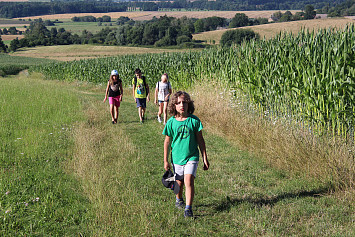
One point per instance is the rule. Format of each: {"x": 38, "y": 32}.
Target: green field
{"x": 78, "y": 27}
{"x": 38, "y": 196}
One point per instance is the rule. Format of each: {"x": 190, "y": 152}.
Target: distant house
{"x": 321, "y": 16}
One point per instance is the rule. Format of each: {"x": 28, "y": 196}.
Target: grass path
{"x": 118, "y": 171}
{"x": 239, "y": 196}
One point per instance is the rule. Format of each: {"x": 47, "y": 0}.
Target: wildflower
{"x": 7, "y": 211}
{"x": 7, "y": 193}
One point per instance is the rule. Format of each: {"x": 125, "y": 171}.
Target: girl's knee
{"x": 189, "y": 180}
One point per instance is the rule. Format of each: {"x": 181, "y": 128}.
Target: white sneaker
{"x": 159, "y": 119}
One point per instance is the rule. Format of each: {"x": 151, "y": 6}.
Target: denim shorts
{"x": 141, "y": 102}
{"x": 189, "y": 168}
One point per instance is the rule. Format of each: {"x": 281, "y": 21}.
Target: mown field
{"x": 77, "y": 52}
{"x": 148, "y": 15}
{"x": 271, "y": 30}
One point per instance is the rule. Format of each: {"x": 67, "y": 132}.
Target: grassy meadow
{"x": 78, "y": 27}
{"x": 66, "y": 170}
{"x": 38, "y": 196}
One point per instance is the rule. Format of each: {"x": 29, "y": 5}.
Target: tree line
{"x": 26, "y": 9}
{"x": 233, "y": 5}
{"x": 158, "y": 32}
{"x": 163, "y": 31}
{"x": 346, "y": 8}
{"x": 91, "y": 19}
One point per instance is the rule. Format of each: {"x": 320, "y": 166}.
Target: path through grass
{"x": 239, "y": 196}
{"x": 116, "y": 189}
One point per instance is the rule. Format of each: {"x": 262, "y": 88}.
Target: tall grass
{"x": 287, "y": 146}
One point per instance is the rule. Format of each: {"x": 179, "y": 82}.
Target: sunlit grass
{"x": 37, "y": 196}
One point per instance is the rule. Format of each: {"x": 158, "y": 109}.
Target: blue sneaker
{"x": 180, "y": 204}
{"x": 188, "y": 213}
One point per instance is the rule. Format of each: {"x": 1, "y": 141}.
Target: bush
{"x": 237, "y": 37}
{"x": 12, "y": 69}
{"x": 182, "y": 39}
{"x": 191, "y": 45}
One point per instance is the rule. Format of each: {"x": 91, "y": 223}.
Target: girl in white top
{"x": 162, "y": 94}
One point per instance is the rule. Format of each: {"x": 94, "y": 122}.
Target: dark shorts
{"x": 162, "y": 101}
{"x": 141, "y": 102}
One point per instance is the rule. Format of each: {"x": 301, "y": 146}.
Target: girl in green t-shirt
{"x": 183, "y": 133}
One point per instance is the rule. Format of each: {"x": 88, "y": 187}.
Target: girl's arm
{"x": 134, "y": 95}
{"x": 121, "y": 89}
{"x": 202, "y": 146}
{"x": 156, "y": 96}
{"x": 148, "y": 92}
{"x": 108, "y": 84}
{"x": 166, "y": 153}
{"x": 167, "y": 96}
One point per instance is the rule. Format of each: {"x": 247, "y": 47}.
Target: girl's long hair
{"x": 174, "y": 100}
{"x": 111, "y": 79}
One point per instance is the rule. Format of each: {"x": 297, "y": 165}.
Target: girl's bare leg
{"x": 189, "y": 180}
{"x": 140, "y": 113}
{"x": 160, "y": 109}
{"x": 165, "y": 111}
{"x": 181, "y": 184}
{"x": 116, "y": 113}
{"x": 112, "y": 112}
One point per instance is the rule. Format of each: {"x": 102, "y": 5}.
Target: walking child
{"x": 140, "y": 93}
{"x": 114, "y": 91}
{"x": 183, "y": 133}
{"x": 162, "y": 94}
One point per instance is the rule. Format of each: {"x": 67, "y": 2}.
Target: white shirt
{"x": 163, "y": 90}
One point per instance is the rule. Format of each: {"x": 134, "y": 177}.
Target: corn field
{"x": 310, "y": 76}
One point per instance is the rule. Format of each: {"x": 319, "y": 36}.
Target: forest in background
{"x": 25, "y": 9}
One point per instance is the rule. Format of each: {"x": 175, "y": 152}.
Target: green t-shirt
{"x": 140, "y": 92}
{"x": 184, "y": 146}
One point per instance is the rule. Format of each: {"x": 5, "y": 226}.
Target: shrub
{"x": 237, "y": 37}
{"x": 182, "y": 39}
